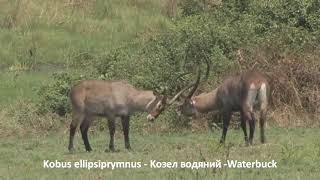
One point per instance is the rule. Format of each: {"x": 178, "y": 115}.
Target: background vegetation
{"x": 47, "y": 46}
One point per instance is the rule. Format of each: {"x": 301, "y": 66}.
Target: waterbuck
{"x": 110, "y": 99}
{"x": 244, "y": 93}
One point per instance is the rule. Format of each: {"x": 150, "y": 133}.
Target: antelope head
{"x": 156, "y": 107}
{"x": 187, "y": 108}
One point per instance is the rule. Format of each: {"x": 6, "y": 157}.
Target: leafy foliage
{"x": 55, "y": 97}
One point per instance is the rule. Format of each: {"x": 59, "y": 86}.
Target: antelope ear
{"x": 187, "y": 100}
{"x": 156, "y": 93}
{"x": 164, "y": 99}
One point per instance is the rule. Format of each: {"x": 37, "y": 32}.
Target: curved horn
{"x": 179, "y": 93}
{"x": 196, "y": 84}
{"x": 181, "y": 75}
{"x": 208, "y": 68}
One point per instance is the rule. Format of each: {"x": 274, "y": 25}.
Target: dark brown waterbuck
{"x": 110, "y": 99}
{"x": 244, "y": 93}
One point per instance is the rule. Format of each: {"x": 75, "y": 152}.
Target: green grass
{"x": 21, "y": 86}
{"x": 58, "y": 33}
{"x": 57, "y": 30}
{"x": 296, "y": 150}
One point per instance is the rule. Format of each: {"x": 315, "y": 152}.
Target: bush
{"x": 54, "y": 97}
{"x": 22, "y": 118}
{"x": 265, "y": 34}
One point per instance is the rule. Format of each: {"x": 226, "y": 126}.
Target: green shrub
{"x": 55, "y": 97}
{"x": 191, "y": 7}
{"x": 117, "y": 64}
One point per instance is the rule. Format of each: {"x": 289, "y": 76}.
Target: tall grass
{"x": 15, "y": 86}
{"x": 50, "y": 36}
{"x": 57, "y": 29}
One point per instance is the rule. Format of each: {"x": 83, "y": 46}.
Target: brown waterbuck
{"x": 110, "y": 99}
{"x": 244, "y": 93}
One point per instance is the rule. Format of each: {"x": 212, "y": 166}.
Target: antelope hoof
{"x": 247, "y": 143}
{"x": 129, "y": 148}
{"x": 250, "y": 143}
{"x": 221, "y": 141}
{"x": 89, "y": 150}
{"x": 71, "y": 150}
{"x": 112, "y": 150}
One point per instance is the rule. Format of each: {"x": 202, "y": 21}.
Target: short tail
{"x": 263, "y": 97}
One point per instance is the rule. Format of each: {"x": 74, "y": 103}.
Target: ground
{"x": 296, "y": 150}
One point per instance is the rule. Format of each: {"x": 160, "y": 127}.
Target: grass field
{"x": 59, "y": 32}
{"x": 21, "y": 86}
{"x": 296, "y": 150}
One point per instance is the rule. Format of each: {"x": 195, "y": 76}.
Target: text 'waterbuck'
{"x": 244, "y": 93}
{"x": 110, "y": 99}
